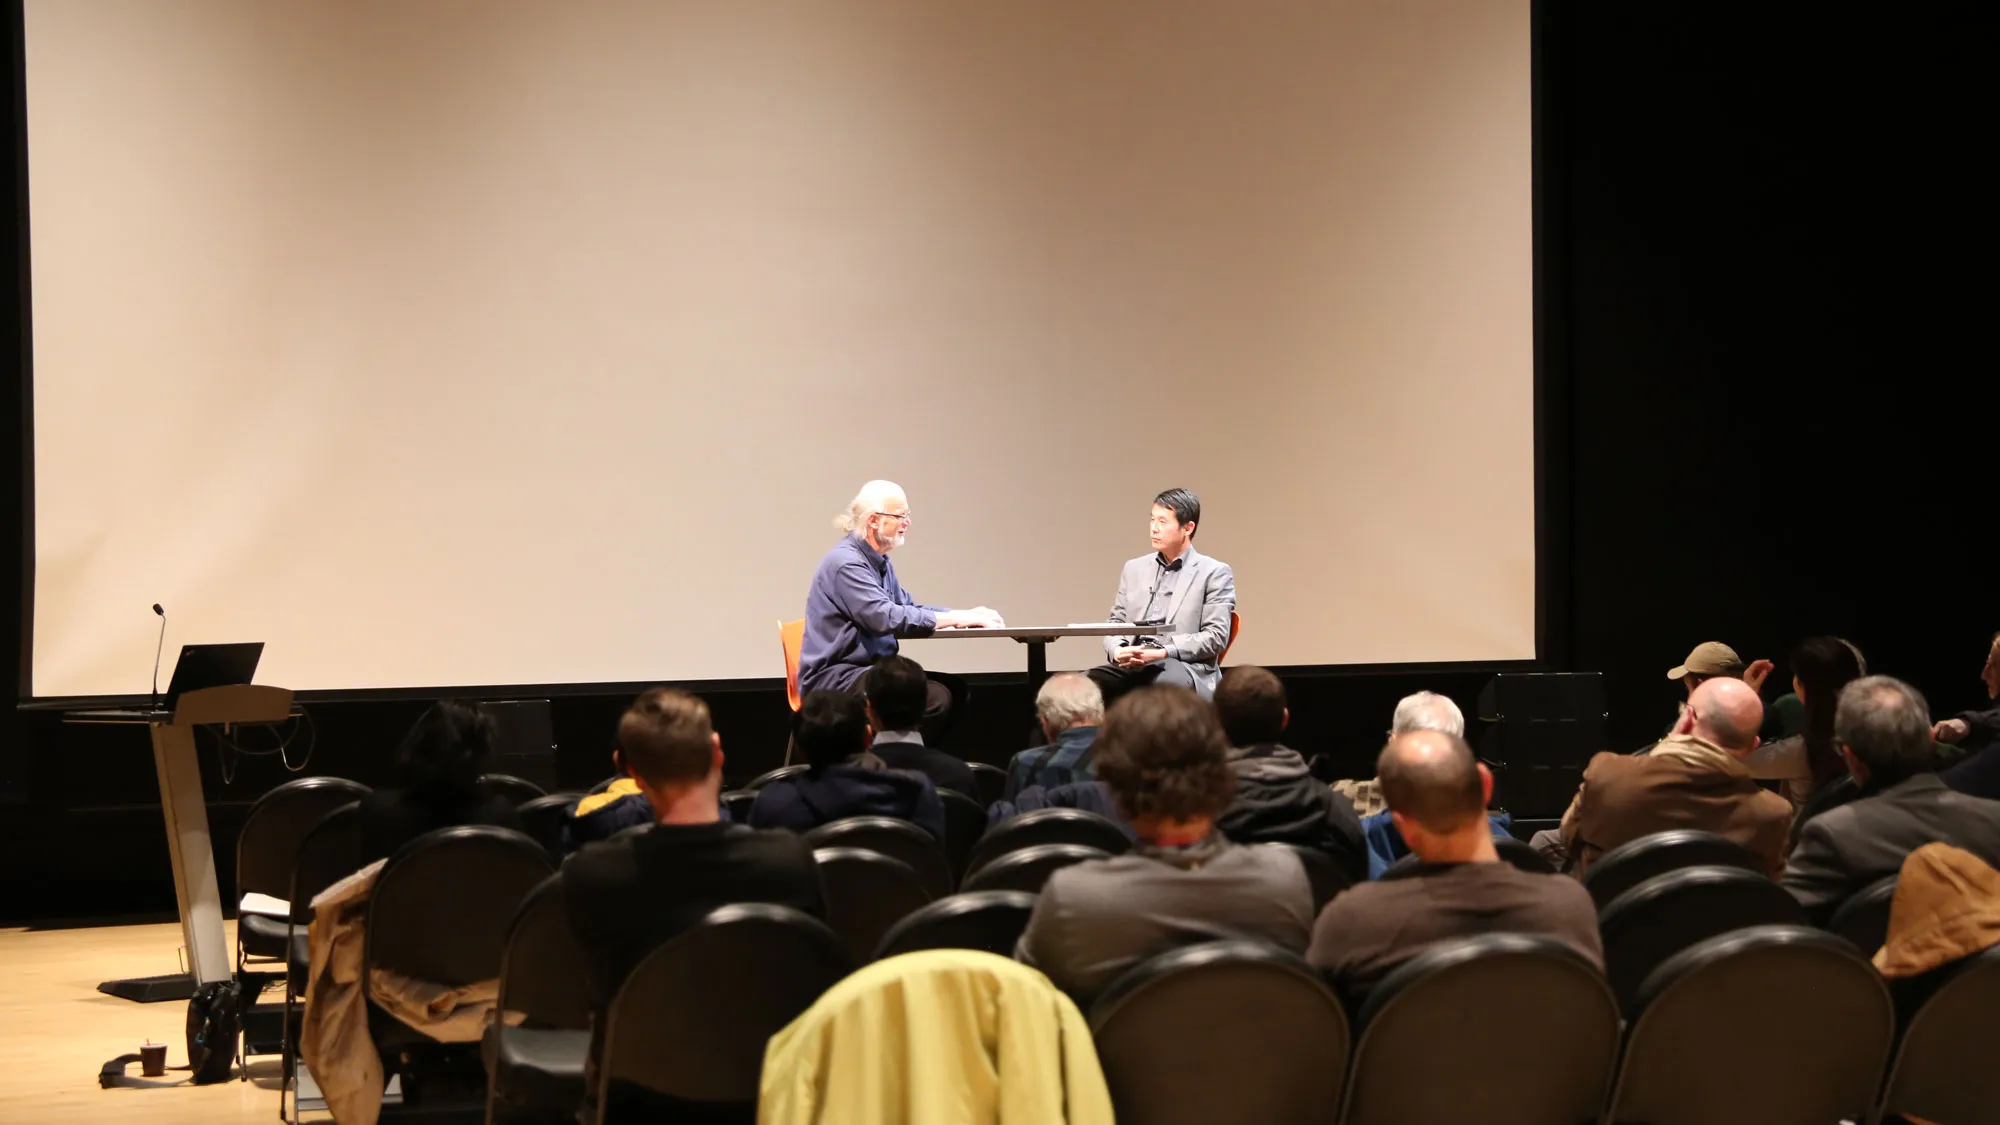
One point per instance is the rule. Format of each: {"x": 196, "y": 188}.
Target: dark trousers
{"x": 1115, "y": 680}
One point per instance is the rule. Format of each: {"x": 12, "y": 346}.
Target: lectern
{"x": 187, "y": 824}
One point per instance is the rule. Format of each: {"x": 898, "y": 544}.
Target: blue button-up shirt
{"x": 855, "y": 610}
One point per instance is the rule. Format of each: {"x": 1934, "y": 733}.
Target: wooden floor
{"x": 56, "y": 1031}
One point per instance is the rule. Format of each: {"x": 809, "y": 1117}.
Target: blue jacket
{"x": 855, "y": 610}
{"x": 805, "y": 802}
{"x": 1386, "y": 846}
{"x": 1091, "y": 796}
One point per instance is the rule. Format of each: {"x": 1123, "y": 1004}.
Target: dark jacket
{"x": 945, "y": 771}
{"x": 1090, "y": 796}
{"x": 390, "y": 818}
{"x": 1683, "y": 783}
{"x": 1978, "y": 774}
{"x": 1845, "y": 849}
{"x": 1066, "y": 760}
{"x": 1279, "y": 801}
{"x": 865, "y": 788}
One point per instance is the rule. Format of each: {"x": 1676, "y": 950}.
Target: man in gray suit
{"x": 1883, "y": 731}
{"x": 1180, "y": 589}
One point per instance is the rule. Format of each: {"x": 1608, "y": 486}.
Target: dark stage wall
{"x": 1761, "y": 415}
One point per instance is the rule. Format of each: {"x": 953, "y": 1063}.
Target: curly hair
{"x": 1162, "y": 753}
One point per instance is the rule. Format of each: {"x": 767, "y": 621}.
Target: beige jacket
{"x": 1947, "y": 907}
{"x": 334, "y": 1040}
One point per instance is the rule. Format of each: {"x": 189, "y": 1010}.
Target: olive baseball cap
{"x": 1709, "y": 658}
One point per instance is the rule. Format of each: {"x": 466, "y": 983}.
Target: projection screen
{"x": 490, "y": 342}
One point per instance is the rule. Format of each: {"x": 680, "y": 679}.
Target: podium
{"x": 188, "y": 842}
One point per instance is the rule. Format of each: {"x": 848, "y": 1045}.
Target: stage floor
{"x": 57, "y": 1030}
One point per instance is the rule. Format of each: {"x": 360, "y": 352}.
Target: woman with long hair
{"x": 1807, "y": 762}
{"x": 437, "y": 781}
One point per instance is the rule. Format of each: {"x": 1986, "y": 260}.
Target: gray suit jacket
{"x": 1843, "y": 850}
{"x": 1197, "y": 615}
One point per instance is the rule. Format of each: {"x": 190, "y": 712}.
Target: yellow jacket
{"x": 941, "y": 1037}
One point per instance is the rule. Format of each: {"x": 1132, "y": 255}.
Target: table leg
{"x": 1038, "y": 664}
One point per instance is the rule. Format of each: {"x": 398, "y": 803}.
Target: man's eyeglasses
{"x": 900, "y": 517}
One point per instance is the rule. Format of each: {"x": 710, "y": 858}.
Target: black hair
{"x": 831, "y": 727}
{"x": 1824, "y": 665}
{"x": 446, "y": 751}
{"x": 1251, "y": 703}
{"x": 1185, "y": 506}
{"x": 897, "y": 689}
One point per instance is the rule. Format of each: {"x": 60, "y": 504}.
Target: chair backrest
{"x": 1026, "y": 869}
{"x": 1864, "y": 918}
{"x": 1235, "y": 627}
{"x": 1271, "y": 1045}
{"x": 443, "y": 905}
{"x": 738, "y": 802}
{"x": 897, "y": 839}
{"x": 867, "y": 893}
{"x": 1322, "y": 872}
{"x": 692, "y": 1020}
{"x": 1432, "y": 1045}
{"x": 544, "y": 973}
{"x": 1511, "y": 851}
{"x": 1766, "y": 1024}
{"x": 268, "y": 846}
{"x": 1048, "y": 826}
{"x": 792, "y": 639}
{"x": 986, "y": 920}
{"x": 1660, "y": 917}
{"x": 992, "y": 782}
{"x": 517, "y": 790}
{"x": 543, "y": 819}
{"x": 1943, "y": 1070}
{"x": 964, "y": 824}
{"x": 779, "y": 774}
{"x": 1635, "y": 861}
{"x": 329, "y": 852}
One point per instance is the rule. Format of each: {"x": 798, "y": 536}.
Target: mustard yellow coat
{"x": 942, "y": 1037}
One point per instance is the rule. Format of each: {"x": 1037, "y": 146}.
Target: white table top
{"x": 1052, "y": 632}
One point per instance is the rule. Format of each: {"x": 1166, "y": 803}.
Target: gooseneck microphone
{"x": 158, "y": 647}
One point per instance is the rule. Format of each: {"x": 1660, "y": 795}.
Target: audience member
{"x": 1694, "y": 778}
{"x": 1090, "y": 796}
{"x": 1165, "y": 760}
{"x": 1806, "y": 762}
{"x": 1883, "y": 730}
{"x": 628, "y": 895}
{"x": 1278, "y": 801}
{"x": 437, "y": 782}
{"x": 1713, "y": 659}
{"x": 896, "y": 689}
{"x": 842, "y": 778}
{"x": 1437, "y": 793}
{"x": 1977, "y": 734}
{"x": 1421, "y": 711}
{"x": 1070, "y": 707}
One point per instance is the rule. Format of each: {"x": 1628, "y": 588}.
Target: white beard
{"x": 891, "y": 542}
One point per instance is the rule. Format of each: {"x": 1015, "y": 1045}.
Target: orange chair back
{"x": 792, "y": 636}
{"x": 1235, "y": 627}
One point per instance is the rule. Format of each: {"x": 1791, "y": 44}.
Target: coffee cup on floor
{"x": 153, "y": 1059}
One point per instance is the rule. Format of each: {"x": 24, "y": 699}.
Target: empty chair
{"x": 1271, "y": 1045}
{"x": 1511, "y": 851}
{"x": 737, "y": 802}
{"x": 992, "y": 781}
{"x": 518, "y": 790}
{"x": 267, "y": 849}
{"x": 1028, "y": 868}
{"x": 691, "y": 1022}
{"x": 964, "y": 824}
{"x": 898, "y": 839}
{"x": 1325, "y": 875}
{"x": 1668, "y": 913}
{"x": 1943, "y": 1069}
{"x": 991, "y": 921}
{"x": 1864, "y": 918}
{"x": 1427, "y": 1052}
{"x": 1766, "y": 1025}
{"x": 1635, "y": 861}
{"x": 1049, "y": 826}
{"x": 543, "y": 818}
{"x": 867, "y": 893}
{"x": 779, "y": 774}
{"x": 535, "y": 1070}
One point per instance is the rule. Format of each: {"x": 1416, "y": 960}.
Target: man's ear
{"x": 715, "y": 748}
{"x": 1486, "y": 784}
{"x": 1855, "y": 766}
{"x": 1285, "y": 719}
{"x": 618, "y": 765}
{"x": 1404, "y": 825}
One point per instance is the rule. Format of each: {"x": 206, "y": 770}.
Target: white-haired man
{"x": 1424, "y": 710}
{"x": 855, "y": 608}
{"x": 1070, "y": 708}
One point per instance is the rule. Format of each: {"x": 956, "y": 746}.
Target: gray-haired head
{"x": 1069, "y": 699}
{"x": 1427, "y": 710}
{"x": 867, "y": 502}
{"x": 1886, "y": 724}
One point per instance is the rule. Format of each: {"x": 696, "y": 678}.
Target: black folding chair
{"x": 1433, "y": 1046}
{"x": 1026, "y": 869}
{"x": 738, "y": 803}
{"x": 691, "y": 1021}
{"x": 1048, "y": 826}
{"x": 1668, "y": 913}
{"x": 1864, "y": 918}
{"x": 867, "y": 893}
{"x": 518, "y": 791}
{"x": 440, "y": 913}
{"x": 329, "y": 852}
{"x": 897, "y": 839}
{"x": 964, "y": 824}
{"x": 543, "y": 819}
{"x": 1322, "y": 872}
{"x": 779, "y": 774}
{"x": 992, "y": 782}
{"x": 988, "y": 920}
{"x": 535, "y": 1069}
{"x": 1760, "y": 1025}
{"x": 1272, "y": 1046}
{"x": 1635, "y": 861}
{"x": 1943, "y": 1070}
{"x": 1512, "y": 851}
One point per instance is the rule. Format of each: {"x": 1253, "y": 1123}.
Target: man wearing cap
{"x": 1713, "y": 658}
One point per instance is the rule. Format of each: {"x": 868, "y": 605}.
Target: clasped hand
{"x": 1137, "y": 656}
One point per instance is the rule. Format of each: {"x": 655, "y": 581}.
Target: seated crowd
{"x": 1220, "y": 812}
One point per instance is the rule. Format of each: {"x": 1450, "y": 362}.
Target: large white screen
{"x": 517, "y": 342}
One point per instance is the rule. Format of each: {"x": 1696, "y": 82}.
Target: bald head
{"x": 1432, "y": 778}
{"x": 1728, "y": 713}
